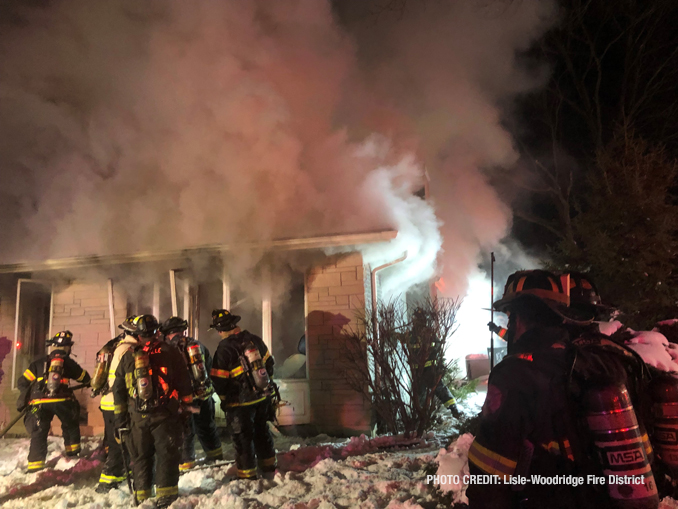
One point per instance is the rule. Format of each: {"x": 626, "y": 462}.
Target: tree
{"x": 627, "y": 236}
{"x": 614, "y": 70}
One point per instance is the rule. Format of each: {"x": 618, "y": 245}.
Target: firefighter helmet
{"x": 584, "y": 295}
{"x": 173, "y": 324}
{"x": 63, "y": 338}
{"x": 145, "y": 326}
{"x": 223, "y": 320}
{"x": 128, "y": 325}
{"x": 538, "y": 286}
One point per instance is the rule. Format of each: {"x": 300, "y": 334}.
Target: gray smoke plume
{"x": 128, "y": 126}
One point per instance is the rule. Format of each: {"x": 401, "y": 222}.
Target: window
{"x": 32, "y": 325}
{"x": 288, "y": 331}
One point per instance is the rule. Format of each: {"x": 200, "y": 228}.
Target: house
{"x": 90, "y": 296}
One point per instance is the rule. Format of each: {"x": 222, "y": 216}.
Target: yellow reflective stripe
{"x": 214, "y": 453}
{"x": 247, "y": 474}
{"x": 490, "y": 462}
{"x": 268, "y": 462}
{"x": 166, "y": 491}
{"x": 266, "y": 357}
{"x": 73, "y": 447}
{"x": 142, "y": 494}
{"x": 47, "y": 400}
{"x": 36, "y": 465}
{"x": 237, "y": 371}
{"x": 82, "y": 376}
{"x": 229, "y": 405}
{"x": 129, "y": 380}
{"x": 28, "y": 374}
{"x": 108, "y": 406}
{"x": 120, "y": 409}
{"x": 186, "y": 466}
{"x": 108, "y": 479}
{"x": 450, "y": 402}
{"x": 219, "y": 373}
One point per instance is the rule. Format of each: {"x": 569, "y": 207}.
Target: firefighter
{"x": 199, "y": 362}
{"x": 524, "y": 425}
{"x": 531, "y": 419}
{"x": 44, "y": 386}
{"x": 113, "y": 473}
{"x": 241, "y": 374}
{"x": 151, "y": 384}
{"x": 425, "y": 344}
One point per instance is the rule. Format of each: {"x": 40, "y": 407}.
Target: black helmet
{"x": 539, "y": 287}
{"x": 128, "y": 325}
{"x": 223, "y": 320}
{"x": 584, "y": 294}
{"x": 145, "y": 326}
{"x": 173, "y": 324}
{"x": 63, "y": 338}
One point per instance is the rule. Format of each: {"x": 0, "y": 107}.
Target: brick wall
{"x": 81, "y": 307}
{"x": 335, "y": 295}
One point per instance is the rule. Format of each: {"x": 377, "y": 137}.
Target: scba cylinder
{"x": 54, "y": 376}
{"x": 142, "y": 373}
{"x": 259, "y": 373}
{"x": 100, "y": 376}
{"x": 664, "y": 394}
{"x": 616, "y": 434}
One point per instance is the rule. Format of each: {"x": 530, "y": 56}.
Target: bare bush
{"x": 396, "y": 360}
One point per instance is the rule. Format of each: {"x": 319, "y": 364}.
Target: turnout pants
{"x": 114, "y": 468}
{"x": 155, "y": 439}
{"x": 38, "y": 421}
{"x": 441, "y": 392}
{"x": 251, "y": 438}
{"x": 205, "y": 428}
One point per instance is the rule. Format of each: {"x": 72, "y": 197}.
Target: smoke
{"x": 129, "y": 126}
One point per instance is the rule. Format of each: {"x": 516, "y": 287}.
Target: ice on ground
{"x": 655, "y": 350}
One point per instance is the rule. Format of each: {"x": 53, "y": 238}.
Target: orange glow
{"x": 440, "y": 285}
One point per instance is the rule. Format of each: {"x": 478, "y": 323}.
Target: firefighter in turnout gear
{"x": 199, "y": 362}
{"x": 151, "y": 384}
{"x": 44, "y": 386}
{"x": 531, "y": 421}
{"x": 113, "y": 473}
{"x": 424, "y": 340}
{"x": 241, "y": 374}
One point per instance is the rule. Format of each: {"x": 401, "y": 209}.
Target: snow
{"x": 609, "y": 328}
{"x": 655, "y": 350}
{"x": 316, "y": 473}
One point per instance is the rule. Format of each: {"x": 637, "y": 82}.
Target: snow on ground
{"x": 315, "y": 473}
{"x": 655, "y": 349}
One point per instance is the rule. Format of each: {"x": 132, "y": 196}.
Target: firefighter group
{"x": 156, "y": 386}
{"x": 566, "y": 402}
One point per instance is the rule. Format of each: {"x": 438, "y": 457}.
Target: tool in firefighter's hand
{"x": 121, "y": 435}
{"x": 26, "y": 408}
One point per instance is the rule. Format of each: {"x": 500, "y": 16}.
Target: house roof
{"x": 339, "y": 240}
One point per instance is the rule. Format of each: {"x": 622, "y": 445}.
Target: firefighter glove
{"x": 494, "y": 327}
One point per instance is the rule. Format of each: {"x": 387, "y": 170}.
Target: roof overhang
{"x": 328, "y": 241}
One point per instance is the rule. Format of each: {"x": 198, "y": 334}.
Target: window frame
{"x": 47, "y": 284}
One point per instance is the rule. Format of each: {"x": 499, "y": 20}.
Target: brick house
{"x": 91, "y": 296}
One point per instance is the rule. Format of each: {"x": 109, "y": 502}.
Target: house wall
{"x": 335, "y": 297}
{"x": 81, "y": 307}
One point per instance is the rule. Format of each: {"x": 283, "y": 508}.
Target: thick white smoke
{"x": 128, "y": 126}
